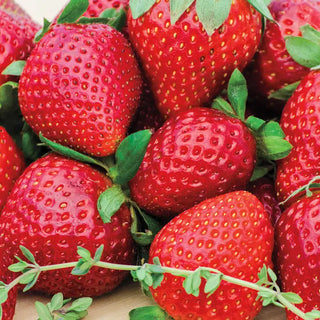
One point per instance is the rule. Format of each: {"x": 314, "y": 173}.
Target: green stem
{"x": 174, "y": 271}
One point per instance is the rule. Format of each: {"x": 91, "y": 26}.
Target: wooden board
{"x": 116, "y": 305}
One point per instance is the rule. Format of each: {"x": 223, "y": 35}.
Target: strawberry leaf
{"x": 238, "y": 93}
{"x": 73, "y": 11}
{"x": 109, "y": 202}
{"x": 262, "y": 7}
{"x": 140, "y": 7}
{"x": 310, "y": 33}
{"x": 285, "y": 92}
{"x": 177, "y": 8}
{"x": 117, "y": 18}
{"x": 147, "y": 313}
{"x": 129, "y": 156}
{"x": 220, "y": 104}
{"x": 213, "y": 13}
{"x": 15, "y": 68}
{"x": 303, "y": 51}
{"x": 39, "y": 35}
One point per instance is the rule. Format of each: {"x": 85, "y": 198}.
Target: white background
{"x": 38, "y": 9}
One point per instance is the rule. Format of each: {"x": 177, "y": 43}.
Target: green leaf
{"x": 276, "y": 148}
{"x": 213, "y": 283}
{"x": 3, "y": 295}
{"x": 43, "y": 311}
{"x": 141, "y": 273}
{"x": 272, "y": 275}
{"x": 74, "y": 315}
{"x": 263, "y": 275}
{"x": 310, "y": 33}
{"x": 31, "y": 283}
{"x": 73, "y": 11}
{"x": 285, "y": 92}
{"x": 83, "y": 267}
{"x": 68, "y": 152}
{"x": 98, "y": 253}
{"x": 314, "y": 314}
{"x": 260, "y": 171}
{"x": 26, "y": 278}
{"x": 303, "y": 51}
{"x": 271, "y": 129}
{"x": 81, "y": 304}
{"x": 140, "y": 7}
{"x": 220, "y": 104}
{"x": 213, "y": 13}
{"x": 129, "y": 156}
{"x": 117, "y": 18}
{"x": 262, "y": 7}
{"x": 238, "y": 93}
{"x": 177, "y": 8}
{"x": 109, "y": 202}
{"x": 18, "y": 267}
{"x": 27, "y": 253}
{"x": 15, "y": 68}
{"x": 254, "y": 123}
{"x": 148, "y": 313}
{"x": 292, "y": 297}
{"x": 46, "y": 26}
{"x": 192, "y": 283}
{"x": 56, "y": 302}
{"x": 84, "y": 253}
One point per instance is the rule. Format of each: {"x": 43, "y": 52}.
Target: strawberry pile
{"x": 175, "y": 141}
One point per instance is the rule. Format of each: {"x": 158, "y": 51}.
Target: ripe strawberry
{"x": 273, "y": 67}
{"x": 185, "y": 66}
{"x": 196, "y": 155}
{"x": 96, "y": 7}
{"x": 264, "y": 190}
{"x": 300, "y": 122}
{"x": 81, "y": 87}
{"x": 297, "y": 251}
{"x": 16, "y": 42}
{"x": 231, "y": 233}
{"x": 52, "y": 210}
{"x": 12, "y": 165}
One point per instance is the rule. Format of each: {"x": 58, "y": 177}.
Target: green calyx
{"x": 121, "y": 168}
{"x": 211, "y": 13}
{"x": 270, "y": 138}
{"x": 73, "y": 13}
{"x": 305, "y": 50}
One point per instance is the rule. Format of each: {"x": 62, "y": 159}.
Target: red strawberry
{"x": 16, "y": 41}
{"x": 185, "y": 66}
{"x": 300, "y": 122}
{"x": 51, "y": 211}
{"x": 298, "y": 252}
{"x": 81, "y": 87}
{"x": 264, "y": 190}
{"x": 96, "y": 7}
{"x": 8, "y": 307}
{"x": 231, "y": 233}
{"x": 273, "y": 67}
{"x": 12, "y": 165}
{"x": 196, "y": 155}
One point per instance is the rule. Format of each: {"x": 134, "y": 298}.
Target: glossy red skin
{"x": 12, "y": 164}
{"x": 16, "y": 40}
{"x": 298, "y": 253}
{"x": 264, "y": 190}
{"x": 96, "y": 7}
{"x": 51, "y": 211}
{"x": 186, "y": 67}
{"x": 300, "y": 122}
{"x": 273, "y": 66}
{"x": 196, "y": 155}
{"x": 8, "y": 307}
{"x": 231, "y": 233}
{"x": 81, "y": 87}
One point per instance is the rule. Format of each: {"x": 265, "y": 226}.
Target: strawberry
{"x": 300, "y": 122}
{"x": 185, "y": 65}
{"x": 273, "y": 67}
{"x": 17, "y": 33}
{"x": 201, "y": 153}
{"x": 8, "y": 307}
{"x": 231, "y": 233}
{"x": 89, "y": 89}
{"x": 52, "y": 210}
{"x": 12, "y": 165}
{"x": 264, "y": 190}
{"x": 96, "y": 7}
{"x": 298, "y": 254}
